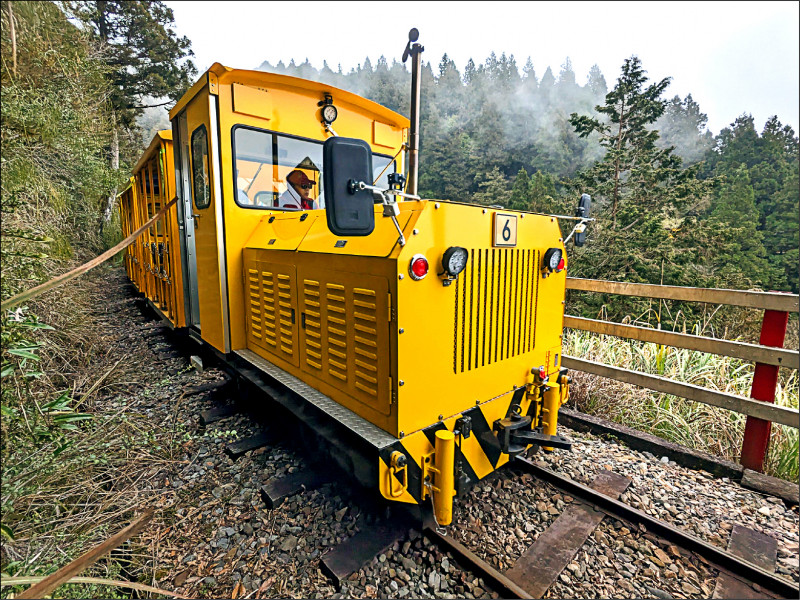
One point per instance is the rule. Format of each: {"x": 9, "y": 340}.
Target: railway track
{"x": 744, "y": 571}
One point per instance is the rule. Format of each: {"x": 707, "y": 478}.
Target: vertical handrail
{"x": 765, "y": 383}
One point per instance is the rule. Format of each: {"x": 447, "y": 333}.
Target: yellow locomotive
{"x": 421, "y": 339}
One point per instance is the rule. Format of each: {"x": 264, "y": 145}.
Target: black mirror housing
{"x": 584, "y": 208}
{"x": 349, "y": 211}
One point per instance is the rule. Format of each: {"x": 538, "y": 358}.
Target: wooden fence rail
{"x": 749, "y": 352}
{"x": 740, "y": 404}
{"x": 763, "y": 300}
{"x": 768, "y": 355}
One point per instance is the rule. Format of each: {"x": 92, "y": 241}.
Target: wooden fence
{"x": 769, "y": 355}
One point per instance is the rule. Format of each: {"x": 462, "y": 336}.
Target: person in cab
{"x": 298, "y": 192}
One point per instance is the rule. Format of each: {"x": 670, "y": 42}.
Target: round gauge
{"x": 552, "y": 258}
{"x": 329, "y": 113}
{"x": 454, "y": 260}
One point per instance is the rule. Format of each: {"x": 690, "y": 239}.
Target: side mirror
{"x": 584, "y": 207}
{"x": 349, "y": 210}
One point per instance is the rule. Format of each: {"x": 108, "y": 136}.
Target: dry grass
{"x": 65, "y": 494}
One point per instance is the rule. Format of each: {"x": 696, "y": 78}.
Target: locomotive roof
{"x": 221, "y": 74}
{"x": 155, "y": 144}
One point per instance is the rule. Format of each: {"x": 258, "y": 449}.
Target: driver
{"x": 298, "y": 192}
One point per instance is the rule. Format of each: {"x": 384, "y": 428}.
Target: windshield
{"x": 265, "y": 162}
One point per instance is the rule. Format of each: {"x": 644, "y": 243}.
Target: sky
{"x": 733, "y": 57}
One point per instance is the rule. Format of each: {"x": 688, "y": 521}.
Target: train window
{"x": 379, "y": 163}
{"x": 201, "y": 186}
{"x": 264, "y": 159}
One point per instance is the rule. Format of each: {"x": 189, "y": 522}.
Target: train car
{"x": 153, "y": 261}
{"x": 419, "y": 339}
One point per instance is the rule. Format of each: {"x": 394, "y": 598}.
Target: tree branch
{"x": 153, "y": 105}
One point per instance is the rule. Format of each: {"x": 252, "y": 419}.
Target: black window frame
{"x": 196, "y": 131}
{"x": 281, "y": 134}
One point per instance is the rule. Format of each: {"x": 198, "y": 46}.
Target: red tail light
{"x": 419, "y": 267}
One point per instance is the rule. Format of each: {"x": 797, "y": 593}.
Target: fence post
{"x": 765, "y": 382}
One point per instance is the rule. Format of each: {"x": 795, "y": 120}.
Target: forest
{"x": 85, "y": 84}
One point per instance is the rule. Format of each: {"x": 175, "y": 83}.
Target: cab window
{"x": 264, "y": 159}
{"x": 201, "y": 187}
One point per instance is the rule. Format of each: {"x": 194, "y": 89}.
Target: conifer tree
{"x": 782, "y": 235}
{"x": 146, "y": 59}
{"x": 736, "y": 254}
{"x": 596, "y": 83}
{"x": 543, "y": 193}
{"x": 520, "y": 192}
{"x": 493, "y": 188}
{"x": 683, "y": 126}
{"x": 469, "y": 72}
{"x": 641, "y": 191}
{"x": 529, "y": 80}
{"x": 629, "y": 108}
{"x": 566, "y": 77}
{"x": 771, "y": 160}
{"x": 546, "y": 85}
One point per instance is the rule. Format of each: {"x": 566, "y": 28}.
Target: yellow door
{"x": 207, "y": 213}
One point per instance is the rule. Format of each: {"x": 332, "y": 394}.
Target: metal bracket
{"x": 429, "y": 472}
{"x": 399, "y": 464}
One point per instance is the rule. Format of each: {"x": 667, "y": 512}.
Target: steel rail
{"x": 721, "y": 559}
{"x": 494, "y": 578}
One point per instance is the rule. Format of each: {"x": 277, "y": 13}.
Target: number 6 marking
{"x": 504, "y": 233}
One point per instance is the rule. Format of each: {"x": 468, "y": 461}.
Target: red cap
{"x": 299, "y": 178}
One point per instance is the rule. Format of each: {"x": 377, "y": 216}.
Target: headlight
{"x": 553, "y": 260}
{"x": 454, "y": 260}
{"x": 329, "y": 114}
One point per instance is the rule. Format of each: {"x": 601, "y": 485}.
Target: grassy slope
{"x": 692, "y": 424}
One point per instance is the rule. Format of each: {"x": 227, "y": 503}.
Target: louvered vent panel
{"x": 366, "y": 341}
{"x": 495, "y": 307}
{"x": 336, "y": 309}
{"x": 285, "y": 314}
{"x": 254, "y": 306}
{"x": 268, "y": 303}
{"x": 313, "y": 329}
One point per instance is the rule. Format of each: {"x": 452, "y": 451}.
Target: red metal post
{"x": 765, "y": 381}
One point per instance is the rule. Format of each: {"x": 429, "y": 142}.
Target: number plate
{"x": 505, "y": 230}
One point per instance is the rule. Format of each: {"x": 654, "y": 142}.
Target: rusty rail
{"x": 56, "y": 281}
{"x": 65, "y": 573}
